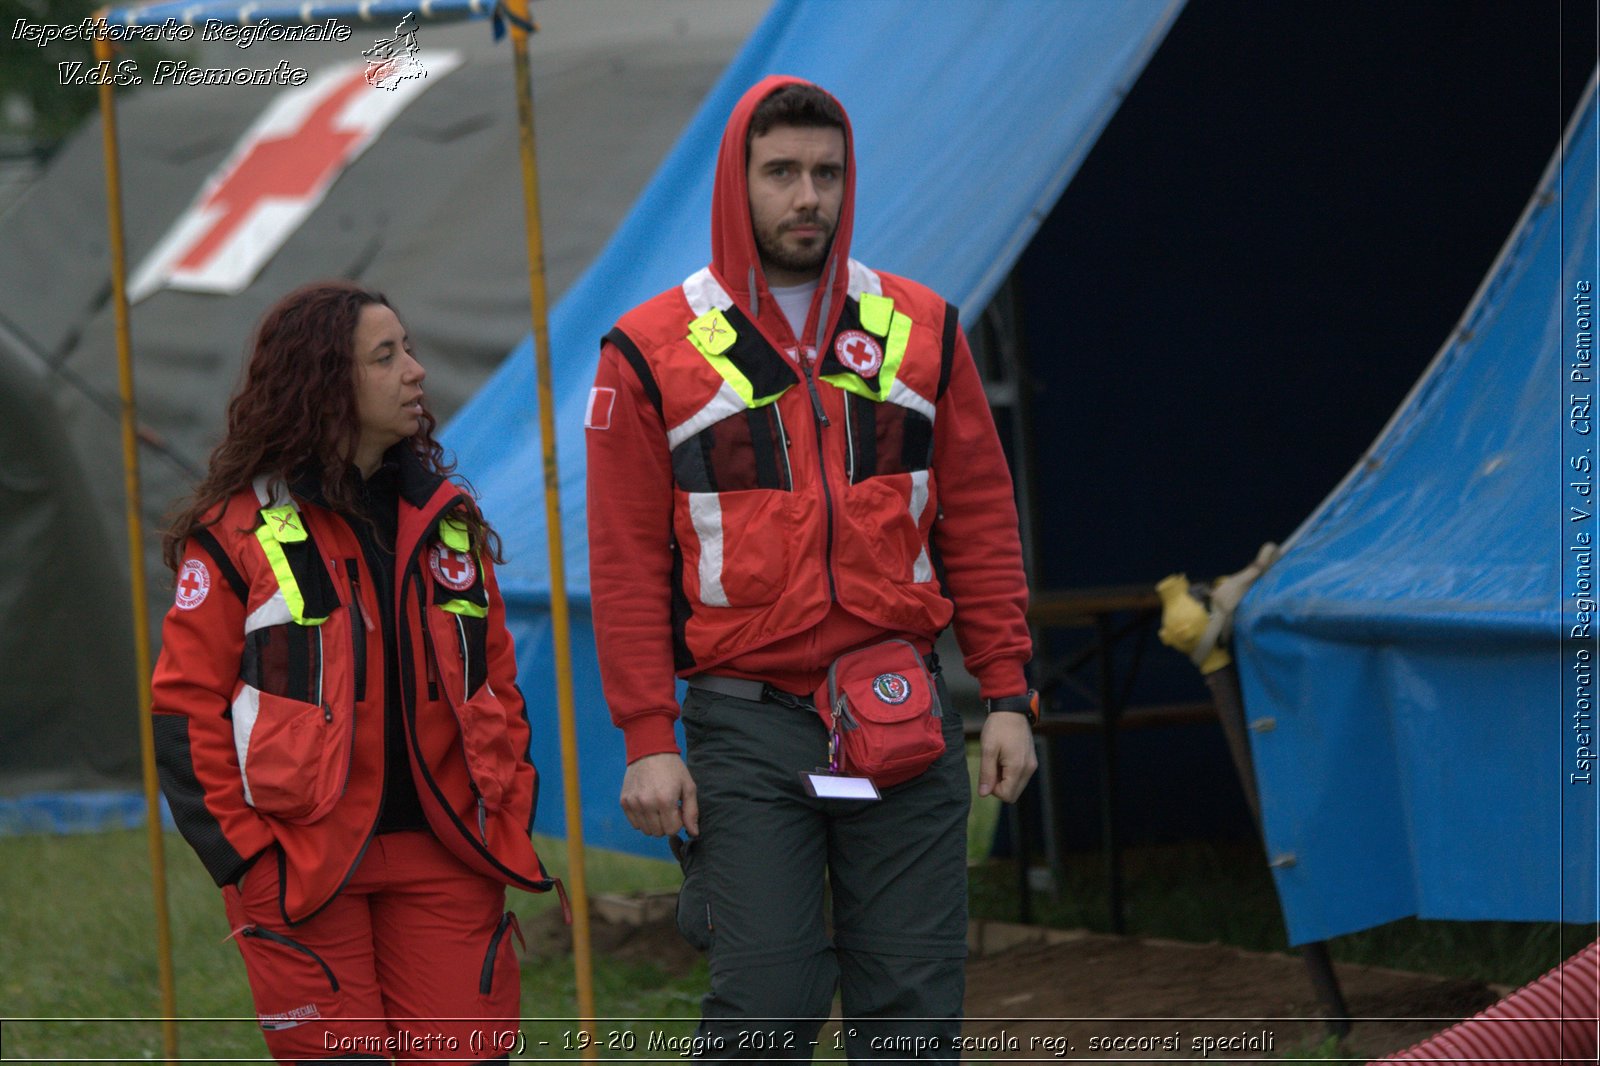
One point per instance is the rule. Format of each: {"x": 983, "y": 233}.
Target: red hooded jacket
{"x": 753, "y": 515}
{"x": 269, "y": 693}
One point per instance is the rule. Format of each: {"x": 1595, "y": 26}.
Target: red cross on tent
{"x": 275, "y": 177}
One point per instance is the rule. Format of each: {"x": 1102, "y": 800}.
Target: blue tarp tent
{"x": 970, "y": 120}
{"x": 1418, "y": 668}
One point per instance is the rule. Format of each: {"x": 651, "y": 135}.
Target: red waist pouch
{"x": 882, "y": 712}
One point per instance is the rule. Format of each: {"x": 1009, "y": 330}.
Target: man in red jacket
{"x": 791, "y": 460}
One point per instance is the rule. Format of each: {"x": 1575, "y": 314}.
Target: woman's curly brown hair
{"x": 296, "y": 413}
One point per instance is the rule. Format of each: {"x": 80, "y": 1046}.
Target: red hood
{"x": 734, "y": 259}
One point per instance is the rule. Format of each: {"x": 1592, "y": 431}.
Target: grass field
{"x": 77, "y": 941}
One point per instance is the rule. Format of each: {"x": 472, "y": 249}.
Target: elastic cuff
{"x": 1002, "y": 679}
{"x": 649, "y": 734}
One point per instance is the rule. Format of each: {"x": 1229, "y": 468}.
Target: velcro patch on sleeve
{"x": 598, "y": 415}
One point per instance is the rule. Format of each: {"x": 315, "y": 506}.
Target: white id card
{"x": 831, "y": 786}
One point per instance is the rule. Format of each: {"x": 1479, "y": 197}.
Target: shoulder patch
{"x": 193, "y": 585}
{"x": 598, "y": 415}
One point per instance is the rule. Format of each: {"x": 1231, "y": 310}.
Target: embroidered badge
{"x": 859, "y": 351}
{"x": 598, "y": 414}
{"x": 891, "y": 688}
{"x": 452, "y": 569}
{"x": 194, "y": 582}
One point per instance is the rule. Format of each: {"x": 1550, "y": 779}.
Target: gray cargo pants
{"x": 753, "y": 892}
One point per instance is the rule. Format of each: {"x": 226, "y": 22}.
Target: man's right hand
{"x": 658, "y": 796}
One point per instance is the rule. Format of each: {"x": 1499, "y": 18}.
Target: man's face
{"x": 796, "y": 177}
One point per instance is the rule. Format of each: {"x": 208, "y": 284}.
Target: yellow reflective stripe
{"x": 894, "y": 353}
{"x": 284, "y": 524}
{"x": 466, "y": 607}
{"x": 739, "y": 383}
{"x": 453, "y": 531}
{"x": 712, "y": 333}
{"x": 285, "y": 575}
{"x": 875, "y": 313}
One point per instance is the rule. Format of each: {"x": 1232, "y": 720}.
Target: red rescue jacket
{"x": 759, "y": 514}
{"x": 269, "y": 693}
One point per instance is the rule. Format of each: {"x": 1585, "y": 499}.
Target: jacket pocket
{"x": 739, "y": 547}
{"x": 491, "y": 762}
{"x": 499, "y": 946}
{"x": 886, "y": 524}
{"x": 294, "y": 756}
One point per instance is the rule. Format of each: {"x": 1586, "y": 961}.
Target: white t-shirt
{"x": 795, "y": 302}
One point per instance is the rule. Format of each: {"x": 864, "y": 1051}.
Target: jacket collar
{"x": 418, "y": 484}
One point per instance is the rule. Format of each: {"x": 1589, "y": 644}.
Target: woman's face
{"x": 388, "y": 385}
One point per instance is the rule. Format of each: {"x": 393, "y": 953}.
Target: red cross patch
{"x": 452, "y": 569}
{"x": 194, "y": 582}
{"x": 859, "y": 351}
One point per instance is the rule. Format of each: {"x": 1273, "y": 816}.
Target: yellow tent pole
{"x": 560, "y": 630}
{"x": 141, "y": 624}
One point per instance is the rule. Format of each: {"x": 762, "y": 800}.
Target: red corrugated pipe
{"x": 1551, "y": 1020}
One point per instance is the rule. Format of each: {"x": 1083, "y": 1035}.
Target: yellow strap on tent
{"x": 283, "y": 572}
{"x": 465, "y": 607}
{"x": 894, "y": 353}
{"x": 875, "y": 312}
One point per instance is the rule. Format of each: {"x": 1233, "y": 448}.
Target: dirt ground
{"x": 1061, "y": 995}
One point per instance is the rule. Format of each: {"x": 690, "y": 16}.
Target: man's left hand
{"x": 1008, "y": 758}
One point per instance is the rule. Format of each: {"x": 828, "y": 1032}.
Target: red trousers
{"x": 413, "y": 960}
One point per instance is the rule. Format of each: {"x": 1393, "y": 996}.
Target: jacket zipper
{"x": 358, "y": 611}
{"x": 822, "y": 464}
{"x": 407, "y": 699}
{"x": 783, "y": 432}
{"x": 432, "y": 660}
{"x": 849, "y": 445}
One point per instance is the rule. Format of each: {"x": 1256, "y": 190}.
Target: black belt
{"x": 761, "y": 692}
{"x": 745, "y": 689}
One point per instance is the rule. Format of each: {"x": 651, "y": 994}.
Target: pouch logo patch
{"x": 891, "y": 688}
{"x": 859, "y": 351}
{"x": 452, "y": 569}
{"x": 194, "y": 583}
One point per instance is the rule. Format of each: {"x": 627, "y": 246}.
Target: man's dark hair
{"x": 795, "y": 105}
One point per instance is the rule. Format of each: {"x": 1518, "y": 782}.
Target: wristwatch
{"x": 1027, "y": 704}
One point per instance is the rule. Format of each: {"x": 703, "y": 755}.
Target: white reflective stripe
{"x": 726, "y": 402}
{"x": 246, "y": 705}
{"x": 922, "y": 569}
{"x": 705, "y": 511}
{"x": 275, "y": 612}
{"x": 906, "y": 396}
{"x": 703, "y": 292}
{"x": 863, "y": 279}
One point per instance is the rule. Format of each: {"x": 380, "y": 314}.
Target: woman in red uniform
{"x": 337, "y": 721}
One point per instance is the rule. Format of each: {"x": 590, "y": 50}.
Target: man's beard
{"x": 802, "y": 260}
